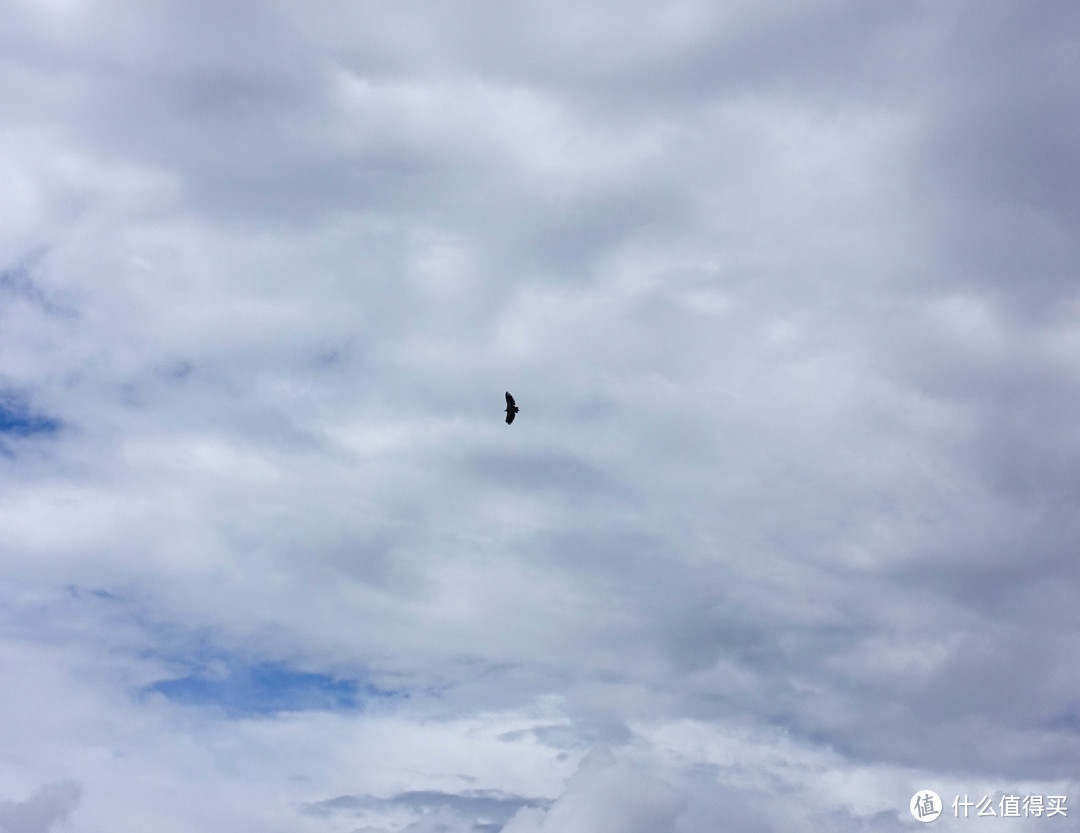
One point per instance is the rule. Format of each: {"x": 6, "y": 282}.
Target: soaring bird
{"x": 511, "y": 408}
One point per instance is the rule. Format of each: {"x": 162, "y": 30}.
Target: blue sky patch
{"x": 266, "y": 688}
{"x": 18, "y": 420}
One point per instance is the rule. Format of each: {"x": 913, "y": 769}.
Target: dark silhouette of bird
{"x": 511, "y": 408}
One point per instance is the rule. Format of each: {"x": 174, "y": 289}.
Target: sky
{"x": 783, "y": 535}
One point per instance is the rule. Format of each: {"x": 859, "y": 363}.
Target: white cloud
{"x": 607, "y": 797}
{"x": 784, "y": 297}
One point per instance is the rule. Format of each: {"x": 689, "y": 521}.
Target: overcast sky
{"x": 784, "y": 532}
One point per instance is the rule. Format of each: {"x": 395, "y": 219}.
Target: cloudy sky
{"x": 785, "y": 530}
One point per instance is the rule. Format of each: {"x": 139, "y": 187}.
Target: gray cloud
{"x": 786, "y": 299}
{"x": 47, "y": 807}
{"x": 474, "y": 810}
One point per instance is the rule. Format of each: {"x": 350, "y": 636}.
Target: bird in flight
{"x": 511, "y": 408}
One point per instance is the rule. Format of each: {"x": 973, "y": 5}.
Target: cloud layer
{"x": 783, "y": 532}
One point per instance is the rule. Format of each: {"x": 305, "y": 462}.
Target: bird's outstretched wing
{"x": 511, "y": 408}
